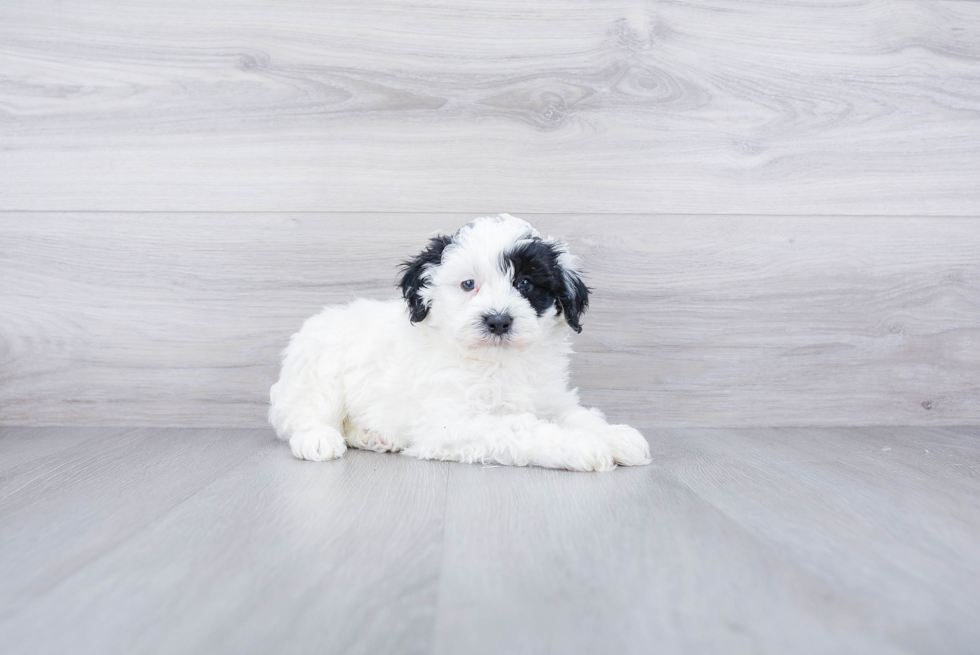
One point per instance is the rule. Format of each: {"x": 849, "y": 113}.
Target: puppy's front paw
{"x": 591, "y": 455}
{"x": 318, "y": 444}
{"x": 581, "y": 451}
{"x": 628, "y": 446}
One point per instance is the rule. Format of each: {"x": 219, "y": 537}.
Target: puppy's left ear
{"x": 574, "y": 295}
{"x": 414, "y": 276}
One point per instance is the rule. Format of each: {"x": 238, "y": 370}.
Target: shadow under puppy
{"x": 474, "y": 369}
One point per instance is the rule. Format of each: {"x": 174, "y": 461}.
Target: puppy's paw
{"x": 587, "y": 452}
{"x": 595, "y": 457}
{"x": 628, "y": 446}
{"x": 318, "y": 444}
{"x": 558, "y": 447}
{"x": 358, "y": 437}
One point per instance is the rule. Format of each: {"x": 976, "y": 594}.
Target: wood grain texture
{"x": 276, "y": 555}
{"x": 178, "y": 319}
{"x": 65, "y": 509}
{"x": 776, "y": 107}
{"x": 787, "y": 540}
{"x": 23, "y": 445}
{"x": 734, "y": 541}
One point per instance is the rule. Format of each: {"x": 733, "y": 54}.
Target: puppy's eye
{"x": 468, "y": 285}
{"x": 524, "y": 284}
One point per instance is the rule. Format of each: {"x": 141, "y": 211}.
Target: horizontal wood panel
{"x": 178, "y": 319}
{"x": 769, "y": 107}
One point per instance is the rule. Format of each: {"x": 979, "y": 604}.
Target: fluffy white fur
{"x": 362, "y": 375}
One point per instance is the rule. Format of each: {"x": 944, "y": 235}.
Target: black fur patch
{"x": 412, "y": 281}
{"x": 551, "y": 286}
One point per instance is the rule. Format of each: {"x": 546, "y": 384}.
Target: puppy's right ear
{"x": 415, "y": 276}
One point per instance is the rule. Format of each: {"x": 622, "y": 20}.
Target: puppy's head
{"x": 495, "y": 282}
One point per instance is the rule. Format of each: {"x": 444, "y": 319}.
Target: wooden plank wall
{"x": 777, "y": 202}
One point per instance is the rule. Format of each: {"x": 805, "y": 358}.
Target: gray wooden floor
{"x": 802, "y": 540}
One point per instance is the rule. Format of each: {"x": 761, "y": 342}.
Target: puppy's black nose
{"x": 498, "y": 323}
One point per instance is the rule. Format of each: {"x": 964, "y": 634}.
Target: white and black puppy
{"x": 474, "y": 369}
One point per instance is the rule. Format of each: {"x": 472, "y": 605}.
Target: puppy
{"x": 471, "y": 367}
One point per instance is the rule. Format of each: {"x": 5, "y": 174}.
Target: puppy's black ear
{"x": 413, "y": 271}
{"x": 574, "y": 297}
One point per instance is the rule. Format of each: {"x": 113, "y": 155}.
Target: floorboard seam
{"x": 442, "y": 564}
